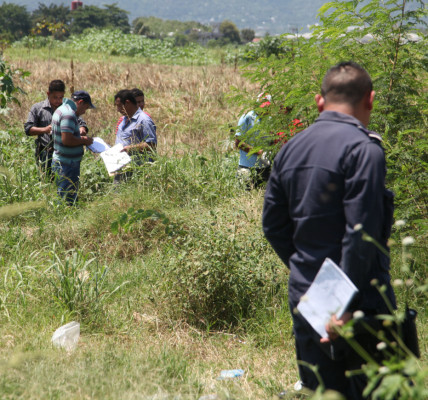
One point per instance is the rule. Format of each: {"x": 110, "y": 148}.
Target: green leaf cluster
{"x": 131, "y": 217}
{"x": 8, "y": 88}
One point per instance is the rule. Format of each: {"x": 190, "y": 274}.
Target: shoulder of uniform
{"x": 375, "y": 136}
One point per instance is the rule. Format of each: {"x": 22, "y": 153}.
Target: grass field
{"x": 150, "y": 327}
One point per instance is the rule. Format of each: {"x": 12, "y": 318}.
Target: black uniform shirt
{"x": 326, "y": 180}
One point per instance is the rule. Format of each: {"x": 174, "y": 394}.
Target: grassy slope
{"x": 134, "y": 345}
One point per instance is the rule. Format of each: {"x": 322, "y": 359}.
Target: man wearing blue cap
{"x": 68, "y": 144}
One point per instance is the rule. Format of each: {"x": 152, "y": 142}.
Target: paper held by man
{"x": 330, "y": 293}
{"x": 114, "y": 158}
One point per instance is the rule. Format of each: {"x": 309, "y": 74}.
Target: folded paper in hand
{"x": 114, "y": 158}
{"x": 330, "y": 293}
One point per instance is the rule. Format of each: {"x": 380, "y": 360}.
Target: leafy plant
{"x": 8, "y": 88}
{"x": 129, "y": 218}
{"x": 79, "y": 284}
{"x": 215, "y": 277}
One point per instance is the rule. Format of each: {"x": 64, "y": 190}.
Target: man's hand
{"x": 87, "y": 140}
{"x": 48, "y": 129}
{"x": 83, "y": 131}
{"x": 333, "y": 326}
{"x": 139, "y": 147}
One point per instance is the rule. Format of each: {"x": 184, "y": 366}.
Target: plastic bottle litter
{"x": 231, "y": 373}
{"x": 283, "y": 394}
{"x": 66, "y": 336}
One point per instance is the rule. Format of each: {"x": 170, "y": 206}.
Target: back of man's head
{"x": 346, "y": 82}
{"x": 56, "y": 86}
{"x": 137, "y": 92}
{"x": 125, "y": 94}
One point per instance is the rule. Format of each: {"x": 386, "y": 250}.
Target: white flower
{"x": 383, "y": 370}
{"x": 407, "y": 241}
{"x": 358, "y": 314}
{"x": 381, "y": 346}
{"x": 400, "y": 222}
{"x": 398, "y": 282}
{"x": 358, "y": 227}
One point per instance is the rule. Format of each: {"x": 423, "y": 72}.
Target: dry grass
{"x": 186, "y": 103}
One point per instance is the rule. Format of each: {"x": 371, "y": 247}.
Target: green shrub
{"x": 215, "y": 277}
{"x": 8, "y": 88}
{"x": 78, "y": 284}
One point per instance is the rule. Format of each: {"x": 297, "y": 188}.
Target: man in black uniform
{"x": 39, "y": 124}
{"x": 325, "y": 181}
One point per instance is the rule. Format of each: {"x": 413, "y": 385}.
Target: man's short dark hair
{"x": 56, "y": 86}
{"x": 137, "y": 92}
{"x": 346, "y": 82}
{"x": 125, "y": 94}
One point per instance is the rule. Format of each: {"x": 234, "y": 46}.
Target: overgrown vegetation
{"x": 399, "y": 68}
{"x": 169, "y": 274}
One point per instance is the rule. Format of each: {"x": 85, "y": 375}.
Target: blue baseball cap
{"x": 82, "y": 95}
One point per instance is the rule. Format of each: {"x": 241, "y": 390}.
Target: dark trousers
{"x": 332, "y": 360}
{"x": 44, "y": 161}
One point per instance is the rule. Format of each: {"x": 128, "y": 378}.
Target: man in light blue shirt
{"x": 252, "y": 168}
{"x": 137, "y": 131}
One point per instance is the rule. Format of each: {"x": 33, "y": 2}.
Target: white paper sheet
{"x": 114, "y": 159}
{"x": 330, "y": 293}
{"x": 98, "y": 146}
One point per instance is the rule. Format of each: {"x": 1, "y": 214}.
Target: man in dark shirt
{"x": 327, "y": 180}
{"x": 39, "y": 124}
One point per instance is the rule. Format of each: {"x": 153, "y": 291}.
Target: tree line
{"x": 60, "y": 22}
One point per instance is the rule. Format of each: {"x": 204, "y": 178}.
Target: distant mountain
{"x": 272, "y": 16}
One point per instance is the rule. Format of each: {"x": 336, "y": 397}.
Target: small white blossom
{"x": 381, "y": 346}
{"x": 358, "y": 314}
{"x": 408, "y": 240}
{"x": 383, "y": 370}
{"x": 398, "y": 282}
{"x": 400, "y": 222}
{"x": 358, "y": 227}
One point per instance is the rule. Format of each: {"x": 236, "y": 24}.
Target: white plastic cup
{"x": 66, "y": 336}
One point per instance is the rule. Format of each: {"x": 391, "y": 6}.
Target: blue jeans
{"x": 67, "y": 179}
